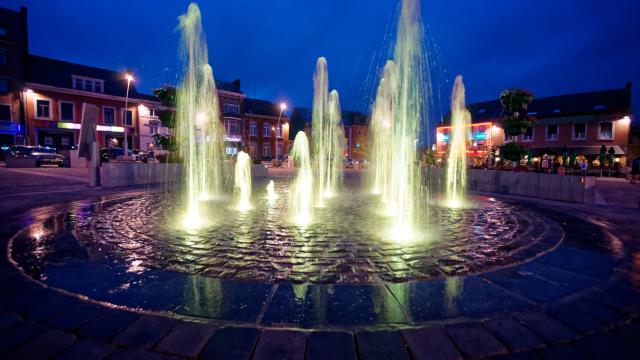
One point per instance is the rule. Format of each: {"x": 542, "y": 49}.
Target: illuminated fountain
{"x": 198, "y": 128}
{"x": 456, "y": 176}
{"x": 402, "y": 95}
{"x": 301, "y": 192}
{"x": 271, "y": 192}
{"x": 381, "y": 142}
{"x": 327, "y": 134}
{"x": 242, "y": 181}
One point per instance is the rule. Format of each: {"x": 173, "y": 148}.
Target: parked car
{"x": 42, "y": 154}
{"x": 107, "y": 154}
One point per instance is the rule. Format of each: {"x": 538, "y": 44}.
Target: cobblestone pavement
{"x": 580, "y": 301}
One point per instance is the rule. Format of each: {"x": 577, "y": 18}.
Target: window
{"x": 253, "y": 149}
{"x": 231, "y": 126}
{"x": 97, "y": 86}
{"x": 42, "y": 109}
{"x": 77, "y": 83}
{"x": 606, "y": 131}
{"x": 3, "y": 56}
{"x": 153, "y": 127}
{"x": 87, "y": 84}
{"x": 3, "y": 31}
{"x": 552, "y": 132}
{"x": 231, "y": 108}
{"x": 4, "y": 85}
{"x": 266, "y": 130}
{"x": 279, "y": 131}
{"x": 109, "y": 115}
{"x": 253, "y": 128}
{"x": 66, "y": 111}
{"x": 266, "y": 149}
{"x": 509, "y": 138}
{"x": 528, "y": 134}
{"x": 5, "y": 112}
{"x": 579, "y": 131}
{"x": 127, "y": 116}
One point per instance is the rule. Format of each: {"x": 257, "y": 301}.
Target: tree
{"x": 512, "y": 151}
{"x": 167, "y": 96}
{"x": 514, "y": 103}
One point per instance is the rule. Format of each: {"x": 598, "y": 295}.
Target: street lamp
{"x": 283, "y": 107}
{"x": 129, "y": 78}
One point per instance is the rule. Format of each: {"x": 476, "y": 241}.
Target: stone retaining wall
{"x": 545, "y": 186}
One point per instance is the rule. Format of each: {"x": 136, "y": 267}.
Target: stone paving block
{"x": 145, "y": 333}
{"x": 281, "y": 344}
{"x": 18, "y": 334}
{"x": 43, "y": 346}
{"x": 331, "y": 345}
{"x": 563, "y": 352}
{"x": 231, "y": 343}
{"x": 136, "y": 354}
{"x": 52, "y": 306}
{"x": 387, "y": 345}
{"x": 547, "y": 328}
{"x": 607, "y": 346}
{"x": 474, "y": 340}
{"x": 19, "y": 300}
{"x": 576, "y": 319}
{"x": 8, "y": 319}
{"x": 512, "y": 334}
{"x": 108, "y": 325}
{"x": 87, "y": 349}
{"x": 430, "y": 344}
{"x": 75, "y": 317}
{"x": 600, "y": 312}
{"x": 186, "y": 339}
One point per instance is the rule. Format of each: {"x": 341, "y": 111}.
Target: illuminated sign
{"x": 232, "y": 138}
{"x": 480, "y": 135}
{"x": 68, "y": 125}
{"x": 110, "y": 128}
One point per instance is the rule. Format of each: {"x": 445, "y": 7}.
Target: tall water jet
{"x": 408, "y": 109}
{"x": 327, "y": 133}
{"x": 242, "y": 181}
{"x": 381, "y": 130}
{"x": 271, "y": 192}
{"x": 198, "y": 128}
{"x": 456, "y": 178}
{"x": 301, "y": 191}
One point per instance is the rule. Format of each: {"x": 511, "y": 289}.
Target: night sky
{"x": 550, "y": 47}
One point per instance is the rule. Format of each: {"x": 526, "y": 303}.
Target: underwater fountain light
{"x": 271, "y": 192}
{"x": 301, "y": 193}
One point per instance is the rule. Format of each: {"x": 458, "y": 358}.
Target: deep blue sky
{"x": 548, "y": 46}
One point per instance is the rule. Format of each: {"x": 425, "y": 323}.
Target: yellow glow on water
{"x": 271, "y": 192}
{"x": 191, "y": 220}
{"x": 454, "y": 203}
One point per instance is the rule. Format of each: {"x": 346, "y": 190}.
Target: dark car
{"x": 107, "y": 154}
{"x": 42, "y": 154}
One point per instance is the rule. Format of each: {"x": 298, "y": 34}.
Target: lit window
{"x": 510, "y": 138}
{"x": 606, "y": 130}
{"x": 42, "y": 109}
{"x": 552, "y": 132}
{"x": 580, "y": 131}
{"x": 66, "y": 111}
{"x": 153, "y": 127}
{"x": 109, "y": 116}
{"x": 528, "y": 134}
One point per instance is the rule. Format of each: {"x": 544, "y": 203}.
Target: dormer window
{"x": 88, "y": 84}
{"x": 599, "y": 107}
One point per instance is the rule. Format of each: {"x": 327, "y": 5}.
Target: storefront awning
{"x": 580, "y": 150}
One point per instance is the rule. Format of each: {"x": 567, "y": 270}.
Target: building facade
{"x": 583, "y": 122}
{"x": 265, "y": 130}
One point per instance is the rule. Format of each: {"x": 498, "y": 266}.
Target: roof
{"x": 260, "y": 107}
{"x": 349, "y": 117}
{"x": 233, "y": 86}
{"x": 58, "y": 73}
{"x": 614, "y": 101}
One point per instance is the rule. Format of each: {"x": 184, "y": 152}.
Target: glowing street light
{"x": 283, "y": 107}
{"x": 129, "y": 78}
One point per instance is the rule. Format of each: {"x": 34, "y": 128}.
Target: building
{"x": 581, "y": 121}
{"x": 230, "y": 99}
{"x": 13, "y": 54}
{"x": 56, "y": 92}
{"x": 265, "y": 129}
{"x": 355, "y": 126}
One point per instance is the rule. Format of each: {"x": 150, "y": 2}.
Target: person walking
{"x": 635, "y": 169}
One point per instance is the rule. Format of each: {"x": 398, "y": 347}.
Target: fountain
{"x": 327, "y": 134}
{"x": 401, "y": 98}
{"x": 271, "y": 192}
{"x": 242, "y": 181}
{"x": 456, "y": 177}
{"x": 301, "y": 192}
{"x": 198, "y": 127}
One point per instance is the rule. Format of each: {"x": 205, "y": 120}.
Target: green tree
{"x": 512, "y": 151}
{"x": 515, "y": 103}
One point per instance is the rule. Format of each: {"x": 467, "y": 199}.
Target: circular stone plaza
{"x": 90, "y": 274}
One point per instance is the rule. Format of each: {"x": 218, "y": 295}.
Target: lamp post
{"x": 124, "y": 117}
{"x": 283, "y": 107}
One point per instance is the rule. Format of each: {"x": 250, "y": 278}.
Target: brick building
{"x": 263, "y": 137}
{"x": 582, "y": 121}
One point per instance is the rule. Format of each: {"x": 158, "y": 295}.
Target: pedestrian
{"x": 635, "y": 169}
